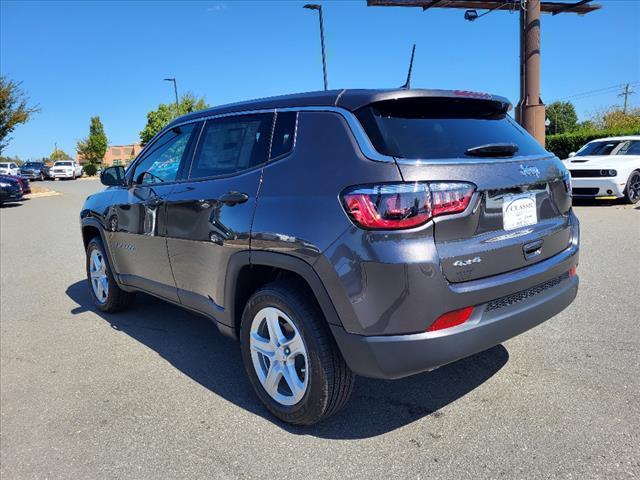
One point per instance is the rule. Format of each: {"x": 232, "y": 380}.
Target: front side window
{"x": 631, "y": 147}
{"x": 230, "y": 145}
{"x": 162, "y": 162}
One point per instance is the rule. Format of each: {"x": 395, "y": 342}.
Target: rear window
{"x": 428, "y": 128}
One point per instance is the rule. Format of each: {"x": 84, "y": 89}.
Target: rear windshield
{"x": 421, "y": 128}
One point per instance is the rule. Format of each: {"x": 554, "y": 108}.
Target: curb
{"x": 50, "y": 193}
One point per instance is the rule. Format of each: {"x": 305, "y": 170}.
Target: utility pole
{"x": 625, "y": 93}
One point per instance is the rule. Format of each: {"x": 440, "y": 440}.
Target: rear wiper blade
{"x": 493, "y": 150}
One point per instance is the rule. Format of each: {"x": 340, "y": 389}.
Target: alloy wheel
{"x": 279, "y": 356}
{"x": 98, "y": 274}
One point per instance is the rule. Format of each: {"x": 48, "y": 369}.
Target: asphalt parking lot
{"x": 157, "y": 393}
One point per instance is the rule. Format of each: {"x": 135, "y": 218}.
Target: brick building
{"x": 117, "y": 154}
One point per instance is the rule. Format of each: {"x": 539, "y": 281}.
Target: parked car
{"x": 10, "y": 190}
{"x": 9, "y": 168}
{"x": 24, "y": 182}
{"x": 35, "y": 170}
{"x": 381, "y": 233}
{"x": 607, "y": 167}
{"x": 66, "y": 169}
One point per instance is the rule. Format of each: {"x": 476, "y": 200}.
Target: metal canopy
{"x": 582, "y": 7}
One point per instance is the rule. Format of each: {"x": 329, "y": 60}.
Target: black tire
{"x": 330, "y": 380}
{"x": 116, "y": 299}
{"x": 632, "y": 190}
{"x": 41, "y": 177}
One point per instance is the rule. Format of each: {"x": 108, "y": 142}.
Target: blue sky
{"x": 78, "y": 59}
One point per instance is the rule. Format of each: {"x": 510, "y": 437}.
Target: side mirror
{"x": 572, "y": 154}
{"x": 112, "y": 176}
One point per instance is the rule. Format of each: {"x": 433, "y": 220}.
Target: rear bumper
{"x": 397, "y": 356}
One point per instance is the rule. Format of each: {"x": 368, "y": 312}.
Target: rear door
{"x": 209, "y": 216}
{"x": 138, "y": 219}
{"x": 519, "y": 213}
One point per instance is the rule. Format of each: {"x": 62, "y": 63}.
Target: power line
{"x": 599, "y": 91}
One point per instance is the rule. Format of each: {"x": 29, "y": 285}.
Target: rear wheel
{"x": 290, "y": 356}
{"x": 632, "y": 191}
{"x": 105, "y": 293}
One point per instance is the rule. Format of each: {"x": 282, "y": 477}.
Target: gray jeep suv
{"x": 381, "y": 233}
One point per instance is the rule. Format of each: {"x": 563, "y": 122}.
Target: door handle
{"x": 532, "y": 250}
{"x": 233, "y": 198}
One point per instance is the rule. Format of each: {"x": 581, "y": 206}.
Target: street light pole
{"x": 175, "y": 90}
{"x": 313, "y": 6}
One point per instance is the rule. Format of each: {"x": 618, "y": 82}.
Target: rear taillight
{"x": 404, "y": 205}
{"x": 451, "y": 319}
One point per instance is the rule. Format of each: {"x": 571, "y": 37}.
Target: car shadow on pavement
{"x": 193, "y": 345}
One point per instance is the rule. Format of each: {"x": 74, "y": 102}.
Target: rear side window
{"x": 284, "y": 133}
{"x": 232, "y": 144}
{"x": 423, "y": 128}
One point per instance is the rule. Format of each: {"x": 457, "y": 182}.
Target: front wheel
{"x": 290, "y": 356}
{"x": 105, "y": 293}
{"x": 632, "y": 191}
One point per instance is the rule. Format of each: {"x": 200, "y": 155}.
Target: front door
{"x": 209, "y": 217}
{"x": 138, "y": 220}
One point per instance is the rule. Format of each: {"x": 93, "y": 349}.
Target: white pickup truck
{"x": 66, "y": 169}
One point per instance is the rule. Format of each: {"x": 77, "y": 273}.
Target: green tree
{"x": 616, "y": 118}
{"x": 58, "y": 154}
{"x": 14, "y": 109}
{"x": 160, "y": 117}
{"x": 93, "y": 148}
{"x": 562, "y": 116}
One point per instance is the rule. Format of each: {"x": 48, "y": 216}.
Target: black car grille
{"x": 585, "y": 191}
{"x": 525, "y": 294}
{"x": 589, "y": 173}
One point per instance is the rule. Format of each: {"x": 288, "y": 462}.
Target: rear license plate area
{"x": 519, "y": 210}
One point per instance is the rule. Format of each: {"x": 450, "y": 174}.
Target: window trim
{"x": 239, "y": 172}
{"x": 361, "y": 138}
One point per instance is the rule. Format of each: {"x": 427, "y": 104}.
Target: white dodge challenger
{"x": 607, "y": 167}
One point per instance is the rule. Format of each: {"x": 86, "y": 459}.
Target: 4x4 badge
{"x": 529, "y": 171}
{"x": 464, "y": 263}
